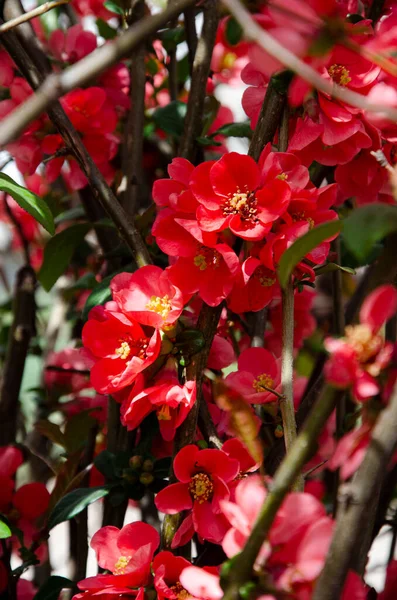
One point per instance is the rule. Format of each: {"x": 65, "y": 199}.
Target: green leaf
{"x": 233, "y": 31}
{"x": 101, "y": 293}
{"x": 104, "y": 30}
{"x": 73, "y": 503}
{"x": 5, "y": 531}
{"x": 51, "y": 431}
{"x": 51, "y": 588}
{"x": 331, "y": 267}
{"x": 207, "y": 141}
{"x": 303, "y": 246}
{"x": 58, "y": 253}
{"x": 172, "y": 37}
{"x": 113, "y": 7}
{"x": 234, "y": 130}
{"x": 171, "y": 118}
{"x": 77, "y": 430}
{"x": 71, "y": 214}
{"x": 366, "y": 226}
{"x": 33, "y": 204}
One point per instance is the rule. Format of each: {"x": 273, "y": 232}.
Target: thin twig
{"x": 357, "y": 496}
{"x": 284, "y": 478}
{"x": 255, "y": 33}
{"x": 84, "y": 71}
{"x": 35, "y": 12}
{"x": 133, "y": 136}
{"x": 201, "y": 69}
{"x": 22, "y": 330}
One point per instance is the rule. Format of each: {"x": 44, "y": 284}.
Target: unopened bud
{"x": 202, "y": 444}
{"x": 279, "y": 432}
{"x": 148, "y": 466}
{"x": 146, "y": 478}
{"x": 135, "y": 462}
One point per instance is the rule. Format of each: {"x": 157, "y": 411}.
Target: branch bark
{"x": 35, "y": 12}
{"x": 198, "y": 90}
{"x": 357, "y": 496}
{"x": 22, "y": 330}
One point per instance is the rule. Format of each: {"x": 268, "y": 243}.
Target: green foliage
{"x": 104, "y": 30}
{"x": 234, "y": 130}
{"x": 58, "y": 253}
{"x": 5, "y": 531}
{"x": 51, "y": 588}
{"x": 233, "y": 32}
{"x": 33, "y": 204}
{"x": 302, "y": 246}
{"x": 73, "y": 503}
{"x": 171, "y": 118}
{"x": 368, "y": 225}
{"x": 113, "y": 7}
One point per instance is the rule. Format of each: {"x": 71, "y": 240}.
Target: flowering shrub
{"x": 198, "y": 310}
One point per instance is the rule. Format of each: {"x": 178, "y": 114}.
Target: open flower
{"x": 203, "y": 477}
{"x": 357, "y": 359}
{"x": 167, "y": 569}
{"x": 232, "y": 195}
{"x": 258, "y": 374}
{"x": 127, "y": 553}
{"x": 148, "y": 295}
{"x": 119, "y": 347}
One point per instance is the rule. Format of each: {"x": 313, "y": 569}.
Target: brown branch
{"x": 191, "y": 34}
{"x": 207, "y": 427}
{"x": 18, "y": 226}
{"x": 357, "y": 496}
{"x": 255, "y": 33}
{"x": 284, "y": 478}
{"x": 35, "y": 12}
{"x": 100, "y": 188}
{"x": 87, "y": 69}
{"x": 22, "y": 330}
{"x": 133, "y": 136}
{"x": 198, "y": 90}
{"x": 269, "y": 120}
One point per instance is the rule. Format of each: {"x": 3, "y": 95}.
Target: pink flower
{"x": 148, "y": 296}
{"x": 254, "y": 288}
{"x": 202, "y": 584}
{"x": 358, "y": 358}
{"x": 167, "y": 569}
{"x": 258, "y": 372}
{"x": 203, "y": 477}
{"x": 127, "y": 553}
{"x": 350, "y": 451}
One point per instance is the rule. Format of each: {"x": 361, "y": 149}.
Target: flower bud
{"x": 146, "y": 478}
{"x": 135, "y": 462}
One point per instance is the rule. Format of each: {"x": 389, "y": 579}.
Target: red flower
{"x": 10, "y": 459}
{"x": 254, "y": 288}
{"x": 232, "y": 194}
{"x": 203, "y": 477}
{"x": 148, "y": 296}
{"x": 171, "y": 401}
{"x": 258, "y": 372}
{"x": 167, "y": 569}
{"x": 120, "y": 348}
{"x": 127, "y": 553}
{"x": 358, "y": 358}
{"x": 350, "y": 451}
{"x": 72, "y": 45}
{"x": 202, "y": 584}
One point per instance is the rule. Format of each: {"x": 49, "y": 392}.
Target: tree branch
{"x": 357, "y": 496}
{"x": 87, "y": 69}
{"x": 22, "y": 330}
{"x": 35, "y": 12}
{"x": 284, "y": 478}
{"x": 201, "y": 68}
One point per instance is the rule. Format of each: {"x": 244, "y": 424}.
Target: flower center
{"x": 262, "y": 383}
{"x": 364, "y": 342}
{"x": 124, "y": 350}
{"x": 180, "y": 591}
{"x": 339, "y": 74}
{"x": 119, "y": 567}
{"x": 243, "y": 204}
{"x": 135, "y": 347}
{"x": 164, "y": 413}
{"x": 161, "y": 306}
{"x": 228, "y": 60}
{"x": 201, "y": 487}
{"x": 207, "y": 257}
{"x": 301, "y": 216}
{"x": 265, "y": 276}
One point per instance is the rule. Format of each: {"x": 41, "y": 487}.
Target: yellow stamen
{"x": 201, "y": 487}
{"x": 364, "y": 342}
{"x": 262, "y": 382}
{"x": 124, "y": 350}
{"x": 164, "y": 413}
{"x": 339, "y": 74}
{"x": 160, "y": 305}
{"x": 119, "y": 567}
